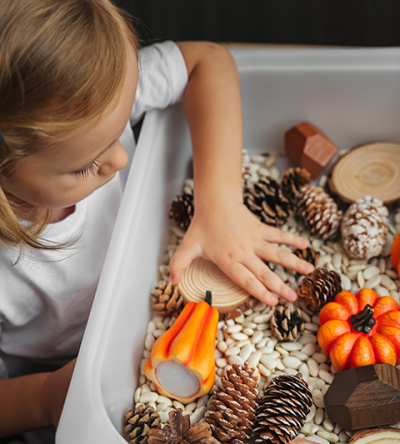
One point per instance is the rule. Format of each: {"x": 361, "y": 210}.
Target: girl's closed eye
{"x": 83, "y": 173}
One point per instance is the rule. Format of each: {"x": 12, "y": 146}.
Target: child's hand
{"x": 54, "y": 391}
{"x": 234, "y": 239}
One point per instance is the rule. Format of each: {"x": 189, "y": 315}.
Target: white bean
{"x": 291, "y": 362}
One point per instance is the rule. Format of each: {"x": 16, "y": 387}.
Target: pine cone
{"x": 308, "y": 254}
{"x": 182, "y": 210}
{"x": 282, "y": 410}
{"x": 319, "y": 288}
{"x": 319, "y": 212}
{"x": 285, "y": 325}
{"x": 292, "y": 181}
{"x": 138, "y": 423}
{"x": 232, "y": 410}
{"x": 179, "y": 431}
{"x": 267, "y": 202}
{"x": 167, "y": 300}
{"x": 364, "y": 228}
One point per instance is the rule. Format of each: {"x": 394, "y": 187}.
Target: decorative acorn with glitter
{"x": 364, "y": 228}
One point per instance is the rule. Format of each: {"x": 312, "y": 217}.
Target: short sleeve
{"x": 3, "y": 368}
{"x": 162, "y": 78}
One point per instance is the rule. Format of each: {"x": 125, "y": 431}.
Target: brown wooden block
{"x": 365, "y": 397}
{"x": 310, "y": 148}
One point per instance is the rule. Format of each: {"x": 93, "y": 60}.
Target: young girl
{"x": 72, "y": 82}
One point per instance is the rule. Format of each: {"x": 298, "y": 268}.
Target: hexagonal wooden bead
{"x": 365, "y": 397}
{"x": 310, "y": 148}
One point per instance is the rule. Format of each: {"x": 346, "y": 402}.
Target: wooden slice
{"x": 202, "y": 275}
{"x": 368, "y": 170}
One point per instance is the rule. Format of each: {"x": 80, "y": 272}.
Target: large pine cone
{"x": 182, "y": 210}
{"x": 138, "y": 423}
{"x": 319, "y": 288}
{"x": 292, "y": 181}
{"x": 282, "y": 410}
{"x": 167, "y": 300}
{"x": 285, "y": 325}
{"x": 179, "y": 431}
{"x": 267, "y": 202}
{"x": 319, "y": 212}
{"x": 232, "y": 410}
{"x": 364, "y": 228}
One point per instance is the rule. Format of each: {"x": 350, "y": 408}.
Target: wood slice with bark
{"x": 372, "y": 169}
{"x": 375, "y": 436}
{"x": 201, "y": 276}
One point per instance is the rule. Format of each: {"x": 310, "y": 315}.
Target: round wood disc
{"x": 202, "y": 275}
{"x": 368, "y": 170}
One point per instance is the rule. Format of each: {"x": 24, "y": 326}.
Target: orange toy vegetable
{"x": 360, "y": 330}
{"x": 395, "y": 252}
{"x": 182, "y": 359}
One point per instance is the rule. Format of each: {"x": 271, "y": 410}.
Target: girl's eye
{"x": 85, "y": 172}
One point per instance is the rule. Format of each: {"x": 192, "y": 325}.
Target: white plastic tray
{"x": 351, "y": 95}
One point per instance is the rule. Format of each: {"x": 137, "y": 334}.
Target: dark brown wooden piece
{"x": 310, "y": 148}
{"x": 365, "y": 397}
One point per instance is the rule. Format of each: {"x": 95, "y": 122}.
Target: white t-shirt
{"x": 45, "y": 299}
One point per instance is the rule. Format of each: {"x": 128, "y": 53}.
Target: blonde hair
{"x": 62, "y": 62}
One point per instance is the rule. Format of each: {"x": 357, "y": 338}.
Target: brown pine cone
{"x": 282, "y": 410}
{"x": 138, "y": 423}
{"x": 308, "y": 254}
{"x": 364, "y": 228}
{"x": 292, "y": 181}
{"x": 285, "y": 325}
{"x": 179, "y": 431}
{"x": 232, "y": 410}
{"x": 182, "y": 210}
{"x": 167, "y": 300}
{"x": 319, "y": 288}
{"x": 267, "y": 202}
{"x": 319, "y": 212}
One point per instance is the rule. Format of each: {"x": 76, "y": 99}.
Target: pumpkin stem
{"x": 363, "y": 321}
{"x": 208, "y": 298}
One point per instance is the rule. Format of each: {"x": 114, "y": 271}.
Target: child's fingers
{"x": 271, "y": 280}
{"x": 273, "y": 253}
{"x": 242, "y": 276}
{"x": 183, "y": 256}
{"x": 276, "y": 236}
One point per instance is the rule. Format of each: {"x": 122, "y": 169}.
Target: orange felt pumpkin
{"x": 360, "y": 330}
{"x": 182, "y": 362}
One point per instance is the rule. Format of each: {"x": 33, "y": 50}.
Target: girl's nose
{"x": 115, "y": 159}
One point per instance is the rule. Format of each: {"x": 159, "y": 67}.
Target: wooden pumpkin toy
{"x": 182, "y": 359}
{"x": 395, "y": 252}
{"x": 360, "y": 330}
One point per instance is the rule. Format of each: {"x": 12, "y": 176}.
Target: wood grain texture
{"x": 372, "y": 169}
{"x": 364, "y": 397}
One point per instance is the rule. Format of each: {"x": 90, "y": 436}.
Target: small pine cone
{"x": 319, "y": 288}
{"x": 292, "y": 181}
{"x": 319, "y": 212}
{"x": 232, "y": 410}
{"x": 282, "y": 410}
{"x": 285, "y": 325}
{"x": 138, "y": 423}
{"x": 167, "y": 300}
{"x": 267, "y": 202}
{"x": 182, "y": 210}
{"x": 364, "y": 228}
{"x": 308, "y": 254}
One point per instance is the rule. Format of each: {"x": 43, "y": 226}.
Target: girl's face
{"x": 71, "y": 170}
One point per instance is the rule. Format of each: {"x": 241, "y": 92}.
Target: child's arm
{"x": 223, "y": 229}
{"x": 33, "y": 401}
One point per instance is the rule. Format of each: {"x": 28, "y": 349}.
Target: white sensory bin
{"x": 352, "y": 95}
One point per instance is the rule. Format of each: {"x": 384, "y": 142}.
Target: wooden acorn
{"x": 182, "y": 359}
{"x": 365, "y": 397}
{"x": 310, "y": 148}
{"x": 360, "y": 330}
